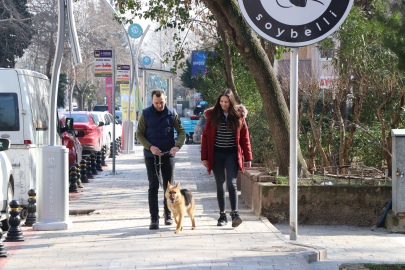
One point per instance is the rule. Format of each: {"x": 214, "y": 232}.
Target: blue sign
{"x": 198, "y": 63}
{"x": 146, "y": 60}
{"x": 135, "y": 30}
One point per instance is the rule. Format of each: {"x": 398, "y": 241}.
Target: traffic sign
{"x": 103, "y": 63}
{"x": 146, "y": 60}
{"x": 135, "y": 30}
{"x": 295, "y": 23}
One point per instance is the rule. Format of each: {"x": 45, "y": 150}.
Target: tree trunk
{"x": 245, "y": 39}
{"x": 50, "y": 55}
{"x": 227, "y": 70}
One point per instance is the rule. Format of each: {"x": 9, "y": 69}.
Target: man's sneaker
{"x": 154, "y": 223}
{"x": 168, "y": 218}
{"x": 236, "y": 220}
{"x": 223, "y": 220}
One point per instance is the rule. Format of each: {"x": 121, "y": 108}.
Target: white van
{"x": 24, "y": 120}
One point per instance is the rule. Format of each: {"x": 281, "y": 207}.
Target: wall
{"x": 340, "y": 205}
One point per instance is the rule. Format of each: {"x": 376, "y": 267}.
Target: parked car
{"x": 25, "y": 117}
{"x": 6, "y": 184}
{"x": 71, "y": 140}
{"x": 100, "y": 108}
{"x": 198, "y": 130}
{"x": 107, "y": 130}
{"x": 92, "y": 141}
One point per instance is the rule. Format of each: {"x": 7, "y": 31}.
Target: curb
{"x": 318, "y": 254}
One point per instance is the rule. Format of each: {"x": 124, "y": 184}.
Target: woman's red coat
{"x": 242, "y": 142}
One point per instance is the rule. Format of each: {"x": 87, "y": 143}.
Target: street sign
{"x": 146, "y": 60}
{"x": 103, "y": 63}
{"x": 135, "y": 30}
{"x": 295, "y": 23}
{"x": 123, "y": 74}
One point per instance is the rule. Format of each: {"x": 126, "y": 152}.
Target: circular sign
{"x": 295, "y": 23}
{"x": 135, "y": 30}
{"x": 146, "y": 60}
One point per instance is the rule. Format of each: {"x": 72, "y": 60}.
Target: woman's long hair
{"x": 234, "y": 117}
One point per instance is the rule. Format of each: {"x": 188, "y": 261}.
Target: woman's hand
{"x": 205, "y": 163}
{"x": 248, "y": 164}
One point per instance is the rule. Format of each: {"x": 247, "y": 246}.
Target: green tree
{"x": 63, "y": 82}
{"x": 186, "y": 79}
{"x": 16, "y": 31}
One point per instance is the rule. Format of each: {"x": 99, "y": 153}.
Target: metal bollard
{"x": 111, "y": 150}
{"x": 3, "y": 251}
{"x": 73, "y": 188}
{"x": 14, "y": 233}
{"x": 93, "y": 164}
{"x": 88, "y": 168}
{"x": 83, "y": 172}
{"x": 116, "y": 148}
{"x": 98, "y": 162}
{"x": 32, "y": 208}
{"x": 79, "y": 176}
{"x": 103, "y": 157}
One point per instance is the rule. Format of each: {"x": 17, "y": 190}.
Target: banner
{"x": 122, "y": 74}
{"x": 109, "y": 92}
{"x": 124, "y": 93}
{"x": 103, "y": 63}
{"x": 198, "y": 63}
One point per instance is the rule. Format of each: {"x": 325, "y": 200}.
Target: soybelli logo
{"x": 295, "y": 23}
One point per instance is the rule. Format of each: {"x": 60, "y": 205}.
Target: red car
{"x": 92, "y": 140}
{"x": 71, "y": 141}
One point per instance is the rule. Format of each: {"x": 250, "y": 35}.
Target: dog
{"x": 179, "y": 201}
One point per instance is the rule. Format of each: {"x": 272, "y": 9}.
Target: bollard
{"x": 93, "y": 164}
{"x": 32, "y": 208}
{"x": 111, "y": 150}
{"x": 98, "y": 162}
{"x": 116, "y": 148}
{"x": 83, "y": 172}
{"x": 120, "y": 143}
{"x": 3, "y": 251}
{"x": 73, "y": 180}
{"x": 14, "y": 233}
{"x": 79, "y": 176}
{"x": 103, "y": 157}
{"x": 88, "y": 168}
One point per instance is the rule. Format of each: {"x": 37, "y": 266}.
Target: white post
{"x": 293, "y": 143}
{"x": 113, "y": 105}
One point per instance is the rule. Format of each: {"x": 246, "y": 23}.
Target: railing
{"x": 343, "y": 175}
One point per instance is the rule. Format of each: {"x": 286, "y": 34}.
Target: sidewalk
{"x": 117, "y": 236}
{"x": 350, "y": 244}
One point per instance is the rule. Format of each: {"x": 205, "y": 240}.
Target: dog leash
{"x": 159, "y": 172}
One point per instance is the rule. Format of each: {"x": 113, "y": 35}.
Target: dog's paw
{"x": 176, "y": 231}
{"x": 193, "y": 228}
{"x": 181, "y": 228}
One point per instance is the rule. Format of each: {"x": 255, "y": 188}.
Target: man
{"x": 156, "y": 133}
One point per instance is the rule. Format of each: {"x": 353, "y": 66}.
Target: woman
{"x": 225, "y": 144}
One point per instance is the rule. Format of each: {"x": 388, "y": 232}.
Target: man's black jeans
{"x": 167, "y": 175}
{"x": 230, "y": 161}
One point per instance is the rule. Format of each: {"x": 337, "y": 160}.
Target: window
{"x": 79, "y": 118}
{"x": 9, "y": 117}
{"x": 325, "y": 49}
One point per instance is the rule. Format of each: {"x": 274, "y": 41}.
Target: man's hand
{"x": 248, "y": 164}
{"x": 156, "y": 151}
{"x": 174, "y": 150}
{"x": 205, "y": 163}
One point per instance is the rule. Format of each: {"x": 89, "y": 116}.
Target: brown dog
{"x": 178, "y": 202}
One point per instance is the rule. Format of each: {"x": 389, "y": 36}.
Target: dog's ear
{"x": 178, "y": 185}
{"x": 168, "y": 184}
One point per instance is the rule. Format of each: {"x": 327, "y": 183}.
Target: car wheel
{"x": 24, "y": 213}
{"x": 10, "y": 195}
